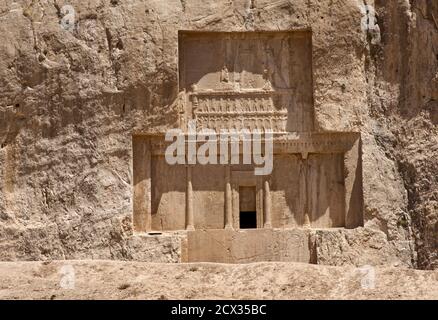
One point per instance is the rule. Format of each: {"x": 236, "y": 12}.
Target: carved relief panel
{"x": 248, "y": 80}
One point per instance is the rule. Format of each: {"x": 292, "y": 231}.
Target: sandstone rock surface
{"x": 135, "y": 280}
{"x": 71, "y": 98}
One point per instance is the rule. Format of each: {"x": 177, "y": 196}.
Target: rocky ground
{"x": 135, "y": 280}
{"x": 71, "y": 99}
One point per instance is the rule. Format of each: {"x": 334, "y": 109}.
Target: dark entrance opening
{"x": 248, "y": 220}
{"x": 248, "y": 211}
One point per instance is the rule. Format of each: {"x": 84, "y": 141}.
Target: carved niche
{"x": 249, "y": 80}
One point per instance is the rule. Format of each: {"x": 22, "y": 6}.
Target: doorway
{"x": 247, "y": 208}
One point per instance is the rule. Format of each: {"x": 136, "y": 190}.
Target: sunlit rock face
{"x": 88, "y": 88}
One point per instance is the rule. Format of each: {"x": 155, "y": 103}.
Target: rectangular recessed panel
{"x": 252, "y": 80}
{"x": 246, "y": 246}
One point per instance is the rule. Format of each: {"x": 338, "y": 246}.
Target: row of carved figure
{"x": 276, "y": 123}
{"x": 232, "y": 104}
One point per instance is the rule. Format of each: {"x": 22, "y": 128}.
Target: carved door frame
{"x": 246, "y": 179}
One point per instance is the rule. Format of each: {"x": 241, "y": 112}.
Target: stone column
{"x": 304, "y": 189}
{"x": 267, "y": 205}
{"x": 228, "y": 199}
{"x": 189, "y": 201}
{"x": 235, "y": 201}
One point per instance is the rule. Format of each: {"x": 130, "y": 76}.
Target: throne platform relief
{"x": 245, "y": 83}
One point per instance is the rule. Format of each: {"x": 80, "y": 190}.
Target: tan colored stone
{"x": 247, "y": 246}
{"x": 71, "y": 102}
{"x": 137, "y": 280}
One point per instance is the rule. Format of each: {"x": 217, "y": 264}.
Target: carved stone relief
{"x": 247, "y": 80}
{"x": 256, "y": 81}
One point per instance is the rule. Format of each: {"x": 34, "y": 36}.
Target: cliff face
{"x": 404, "y": 102}
{"x": 73, "y": 93}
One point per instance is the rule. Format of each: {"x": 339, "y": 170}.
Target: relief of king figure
{"x": 267, "y": 76}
